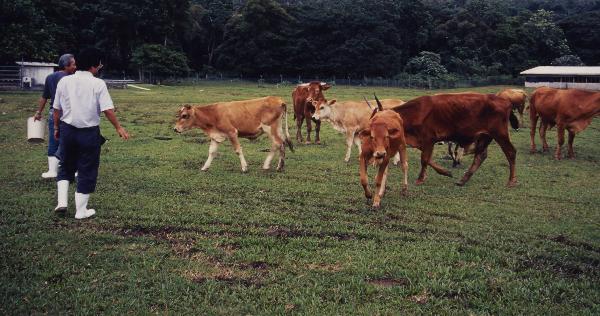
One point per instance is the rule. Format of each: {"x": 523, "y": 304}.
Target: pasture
{"x": 169, "y": 238}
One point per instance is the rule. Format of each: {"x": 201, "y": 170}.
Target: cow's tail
{"x": 288, "y": 139}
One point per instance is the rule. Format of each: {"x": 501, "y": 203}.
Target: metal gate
{"x": 10, "y": 77}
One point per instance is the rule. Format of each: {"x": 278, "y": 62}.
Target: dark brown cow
{"x": 306, "y": 97}
{"x": 382, "y": 140}
{"x": 569, "y": 109}
{"x": 247, "y": 119}
{"x": 464, "y": 119}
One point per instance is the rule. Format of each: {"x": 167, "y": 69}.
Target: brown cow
{"x": 383, "y": 139}
{"x": 350, "y": 117}
{"x": 569, "y": 109}
{"x": 517, "y": 98}
{"x": 306, "y": 97}
{"x": 461, "y": 118}
{"x": 230, "y": 120}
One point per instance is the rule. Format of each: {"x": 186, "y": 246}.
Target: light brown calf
{"x": 383, "y": 139}
{"x": 517, "y": 98}
{"x": 569, "y": 109}
{"x": 247, "y": 119}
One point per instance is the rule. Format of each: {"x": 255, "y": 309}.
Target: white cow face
{"x": 323, "y": 111}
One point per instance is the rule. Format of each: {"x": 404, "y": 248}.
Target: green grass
{"x": 169, "y": 238}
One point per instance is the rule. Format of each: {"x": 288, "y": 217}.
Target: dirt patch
{"x": 285, "y": 232}
{"x": 422, "y": 298}
{"x": 447, "y": 215}
{"x": 335, "y": 267}
{"x": 256, "y": 265}
{"x": 562, "y": 239}
{"x": 389, "y": 282}
{"x": 556, "y": 266}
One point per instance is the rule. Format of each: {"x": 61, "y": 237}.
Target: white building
{"x": 36, "y": 71}
{"x": 562, "y": 77}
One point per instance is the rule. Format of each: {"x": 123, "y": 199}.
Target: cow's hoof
{"x": 404, "y": 192}
{"x": 545, "y": 149}
{"x": 533, "y": 151}
{"x": 558, "y": 157}
{"x": 571, "y": 156}
{"x": 419, "y": 181}
{"x": 307, "y": 142}
{"x": 460, "y": 183}
{"x": 512, "y": 183}
{"x": 244, "y": 170}
{"x": 318, "y": 142}
{"x": 204, "y": 169}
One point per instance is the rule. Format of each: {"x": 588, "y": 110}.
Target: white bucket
{"x": 35, "y": 130}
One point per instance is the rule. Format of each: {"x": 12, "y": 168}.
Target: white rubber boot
{"x": 52, "y": 168}
{"x": 62, "y": 195}
{"x": 81, "y": 201}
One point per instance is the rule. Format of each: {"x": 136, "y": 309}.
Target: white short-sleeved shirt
{"x": 82, "y": 97}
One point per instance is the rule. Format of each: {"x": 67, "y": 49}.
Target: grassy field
{"x": 169, "y": 238}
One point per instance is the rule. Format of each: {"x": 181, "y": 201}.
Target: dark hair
{"x": 88, "y": 57}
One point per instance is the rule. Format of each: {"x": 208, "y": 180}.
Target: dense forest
{"x": 387, "y": 38}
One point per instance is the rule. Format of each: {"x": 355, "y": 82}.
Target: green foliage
{"x": 427, "y": 64}
{"x": 160, "y": 61}
{"x": 567, "y": 60}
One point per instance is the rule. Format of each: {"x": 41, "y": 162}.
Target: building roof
{"x": 563, "y": 71}
{"x": 36, "y": 64}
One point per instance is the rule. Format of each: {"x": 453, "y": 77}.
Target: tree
{"x": 159, "y": 62}
{"x": 548, "y": 40}
{"x": 427, "y": 64}
{"x": 567, "y": 60}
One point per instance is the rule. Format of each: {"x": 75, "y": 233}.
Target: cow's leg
{"x": 439, "y": 169}
{"x": 299, "y": 120}
{"x": 358, "y": 143}
{"x": 396, "y": 159}
{"x": 571, "y": 153}
{"x": 364, "y": 180}
{"x": 308, "y": 128}
{"x": 349, "y": 140}
{"x": 270, "y": 131}
{"x": 278, "y": 144}
{"x": 459, "y": 152}
{"x": 235, "y": 142}
{"x": 380, "y": 183}
{"x": 404, "y": 160}
{"x": 317, "y": 131}
{"x": 511, "y": 155}
{"x": 426, "y": 152}
{"x": 560, "y": 130}
{"x": 533, "y": 118}
{"x": 543, "y": 129}
{"x": 212, "y": 152}
{"x": 450, "y": 153}
{"x": 480, "y": 154}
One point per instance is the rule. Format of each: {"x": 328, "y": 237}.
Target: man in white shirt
{"x": 80, "y": 98}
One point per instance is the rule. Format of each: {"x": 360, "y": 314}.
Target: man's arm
{"x": 41, "y": 105}
{"x": 56, "y": 120}
{"x": 110, "y": 115}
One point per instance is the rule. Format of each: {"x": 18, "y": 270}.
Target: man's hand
{"x": 37, "y": 116}
{"x": 123, "y": 133}
{"x": 56, "y": 133}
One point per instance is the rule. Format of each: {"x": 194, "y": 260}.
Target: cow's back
{"x": 355, "y": 115}
{"x": 250, "y": 113}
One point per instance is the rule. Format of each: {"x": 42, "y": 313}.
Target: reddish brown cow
{"x": 461, "y": 118}
{"x": 306, "y": 97}
{"x": 247, "y": 119}
{"x": 569, "y": 109}
{"x": 382, "y": 140}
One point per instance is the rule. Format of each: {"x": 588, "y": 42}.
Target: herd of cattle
{"x": 469, "y": 120}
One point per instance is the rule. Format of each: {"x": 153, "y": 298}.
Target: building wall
{"x": 564, "y": 85}
{"x": 38, "y": 74}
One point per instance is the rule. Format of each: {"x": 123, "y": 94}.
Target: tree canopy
{"x": 307, "y": 37}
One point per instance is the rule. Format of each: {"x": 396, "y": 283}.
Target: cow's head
{"x": 323, "y": 111}
{"x": 315, "y": 95}
{"x": 184, "y": 119}
{"x": 379, "y": 134}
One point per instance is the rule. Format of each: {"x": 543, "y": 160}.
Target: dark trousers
{"x": 80, "y": 152}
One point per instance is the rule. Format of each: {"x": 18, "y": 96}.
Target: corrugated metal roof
{"x": 36, "y": 64}
{"x": 563, "y": 70}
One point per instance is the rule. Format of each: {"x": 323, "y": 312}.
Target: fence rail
{"x": 10, "y": 77}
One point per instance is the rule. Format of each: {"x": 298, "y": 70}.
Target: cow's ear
{"x": 364, "y": 133}
{"x": 325, "y": 86}
{"x": 187, "y": 106}
{"x": 332, "y": 101}
{"x": 395, "y": 133}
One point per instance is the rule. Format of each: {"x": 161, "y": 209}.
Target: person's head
{"x": 67, "y": 64}
{"x": 89, "y": 59}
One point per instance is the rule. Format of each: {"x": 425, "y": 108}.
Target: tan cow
{"x": 517, "y": 98}
{"x": 350, "y": 117}
{"x": 247, "y": 119}
{"x": 381, "y": 140}
{"x": 569, "y": 109}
